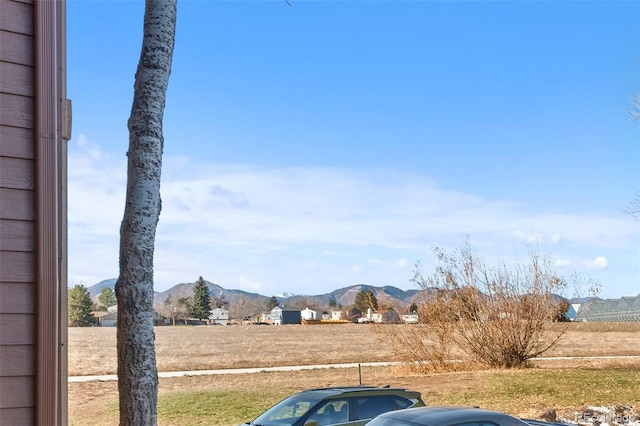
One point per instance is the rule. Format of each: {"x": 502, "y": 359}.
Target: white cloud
{"x": 91, "y": 149}
{"x": 555, "y": 238}
{"x": 249, "y": 284}
{"x": 561, "y": 262}
{"x": 538, "y": 237}
{"x": 401, "y": 263}
{"x": 528, "y": 238}
{"x": 599, "y": 262}
{"x": 298, "y": 228}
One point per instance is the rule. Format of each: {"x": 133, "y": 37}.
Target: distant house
{"x": 260, "y": 318}
{"x": 282, "y": 316}
{"x": 219, "y": 316}
{"x": 572, "y": 312}
{"x": 308, "y": 314}
{"x": 109, "y": 319}
{"x": 336, "y": 315}
{"x": 275, "y": 316}
{"x": 410, "y": 318}
{"x": 388, "y": 316}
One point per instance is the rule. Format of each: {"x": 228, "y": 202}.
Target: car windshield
{"x": 287, "y": 411}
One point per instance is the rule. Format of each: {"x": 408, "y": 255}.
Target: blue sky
{"x": 333, "y": 143}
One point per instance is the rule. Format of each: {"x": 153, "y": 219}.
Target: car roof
{"x": 341, "y": 390}
{"x": 435, "y": 416}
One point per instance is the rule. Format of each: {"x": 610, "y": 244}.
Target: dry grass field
{"x": 93, "y": 351}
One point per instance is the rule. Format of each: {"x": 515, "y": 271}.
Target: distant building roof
{"x": 287, "y": 309}
{"x": 623, "y": 309}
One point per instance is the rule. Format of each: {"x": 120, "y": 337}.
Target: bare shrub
{"x": 424, "y": 348}
{"x": 496, "y": 315}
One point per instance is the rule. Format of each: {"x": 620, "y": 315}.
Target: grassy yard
{"x": 567, "y": 386}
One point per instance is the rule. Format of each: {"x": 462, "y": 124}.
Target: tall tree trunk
{"x": 137, "y": 372}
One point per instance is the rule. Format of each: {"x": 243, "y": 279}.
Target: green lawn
{"x": 512, "y": 391}
{"x": 508, "y": 391}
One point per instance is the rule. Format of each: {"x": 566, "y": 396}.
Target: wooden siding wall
{"x": 17, "y": 214}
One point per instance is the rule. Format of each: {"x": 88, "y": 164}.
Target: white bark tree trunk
{"x": 137, "y": 372}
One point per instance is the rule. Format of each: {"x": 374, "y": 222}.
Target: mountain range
{"x": 343, "y": 296}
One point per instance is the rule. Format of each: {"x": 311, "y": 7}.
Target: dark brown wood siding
{"x": 17, "y": 214}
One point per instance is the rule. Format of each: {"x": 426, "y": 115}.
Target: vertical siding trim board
{"x": 50, "y": 153}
